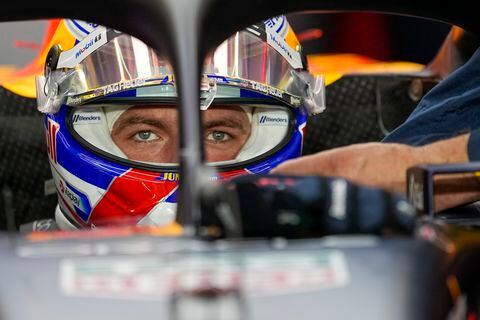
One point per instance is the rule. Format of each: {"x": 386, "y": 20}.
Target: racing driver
{"x": 111, "y": 118}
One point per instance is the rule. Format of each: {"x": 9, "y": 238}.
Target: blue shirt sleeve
{"x": 474, "y": 145}
{"x": 451, "y": 108}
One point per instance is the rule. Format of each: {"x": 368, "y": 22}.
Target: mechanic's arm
{"x": 384, "y": 165}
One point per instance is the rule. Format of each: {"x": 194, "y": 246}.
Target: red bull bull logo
{"x": 51, "y": 137}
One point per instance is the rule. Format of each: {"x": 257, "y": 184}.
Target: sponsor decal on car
{"x": 415, "y": 194}
{"x": 258, "y": 274}
{"x": 43, "y": 225}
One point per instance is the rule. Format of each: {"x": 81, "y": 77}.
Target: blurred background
{"x": 20, "y": 42}
{"x": 378, "y": 36}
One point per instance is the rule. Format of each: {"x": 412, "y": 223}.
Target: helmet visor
{"x": 123, "y": 62}
{"x": 247, "y": 56}
{"x": 123, "y": 59}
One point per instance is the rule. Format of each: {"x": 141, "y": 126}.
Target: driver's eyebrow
{"x": 224, "y": 123}
{"x": 132, "y": 120}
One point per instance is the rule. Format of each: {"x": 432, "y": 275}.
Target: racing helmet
{"x": 110, "y": 117}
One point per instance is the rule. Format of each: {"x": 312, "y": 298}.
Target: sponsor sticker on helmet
{"x": 87, "y": 45}
{"x": 90, "y": 43}
{"x": 269, "y": 119}
{"x": 266, "y": 89}
{"x": 76, "y": 199}
{"x": 277, "y": 24}
{"x": 276, "y": 29}
{"x": 295, "y": 101}
{"x": 124, "y": 85}
{"x": 80, "y": 29}
{"x": 258, "y": 274}
{"x": 278, "y": 43}
{"x": 86, "y": 118}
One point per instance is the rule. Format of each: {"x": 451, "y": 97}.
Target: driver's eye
{"x": 145, "y": 136}
{"x": 218, "y": 136}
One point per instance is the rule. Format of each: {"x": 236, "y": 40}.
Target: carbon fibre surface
{"x": 363, "y": 109}
{"x": 24, "y": 164}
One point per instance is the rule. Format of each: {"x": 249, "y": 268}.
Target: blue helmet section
{"x": 78, "y": 160}
{"x": 99, "y": 171}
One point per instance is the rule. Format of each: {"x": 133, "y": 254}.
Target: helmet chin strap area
{"x": 62, "y": 221}
{"x": 161, "y": 215}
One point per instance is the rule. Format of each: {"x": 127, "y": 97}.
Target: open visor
{"x": 107, "y": 62}
{"x": 246, "y": 56}
{"x": 121, "y": 60}
{"x": 146, "y": 135}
